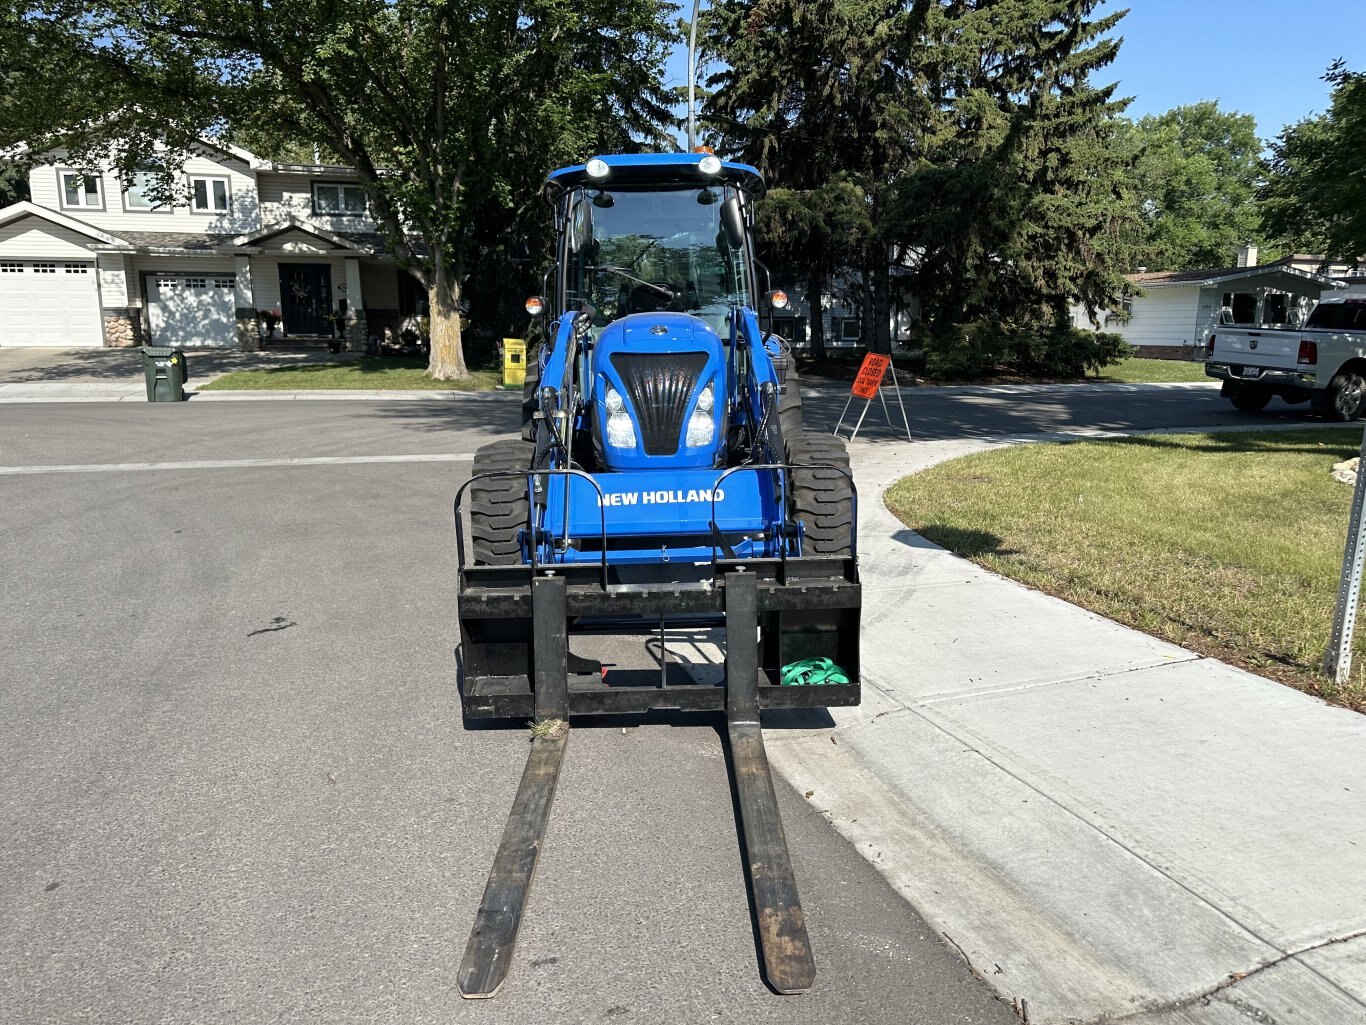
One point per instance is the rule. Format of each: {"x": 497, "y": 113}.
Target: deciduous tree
{"x": 446, "y": 110}
{"x": 1315, "y": 194}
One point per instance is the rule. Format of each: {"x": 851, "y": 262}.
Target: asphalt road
{"x": 234, "y": 786}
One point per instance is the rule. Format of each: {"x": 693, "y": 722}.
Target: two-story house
{"x": 89, "y": 262}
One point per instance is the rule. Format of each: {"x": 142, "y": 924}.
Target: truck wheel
{"x": 1346, "y": 397}
{"x": 499, "y": 506}
{"x": 1251, "y": 399}
{"x": 822, "y": 498}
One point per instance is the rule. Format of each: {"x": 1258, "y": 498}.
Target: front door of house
{"x": 306, "y": 298}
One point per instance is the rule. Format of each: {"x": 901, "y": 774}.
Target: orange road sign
{"x": 870, "y": 375}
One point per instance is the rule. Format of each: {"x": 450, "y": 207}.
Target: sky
{"x": 1260, "y": 57}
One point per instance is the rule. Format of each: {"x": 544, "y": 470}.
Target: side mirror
{"x": 733, "y": 223}
{"x": 580, "y": 226}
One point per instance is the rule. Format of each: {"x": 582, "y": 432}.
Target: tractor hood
{"x": 659, "y": 391}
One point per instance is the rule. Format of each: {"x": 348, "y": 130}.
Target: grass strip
{"x": 1228, "y": 544}
{"x": 366, "y": 374}
{"x": 1153, "y": 371}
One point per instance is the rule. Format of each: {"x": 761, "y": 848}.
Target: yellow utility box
{"x": 514, "y": 362}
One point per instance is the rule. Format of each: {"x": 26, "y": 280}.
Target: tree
{"x": 1015, "y": 205}
{"x": 1195, "y": 178}
{"x": 810, "y": 93}
{"x": 1315, "y": 194}
{"x": 981, "y": 149}
{"x": 448, "y": 112}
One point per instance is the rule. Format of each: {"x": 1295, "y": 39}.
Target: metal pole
{"x": 692, "y": 77}
{"x": 1337, "y": 662}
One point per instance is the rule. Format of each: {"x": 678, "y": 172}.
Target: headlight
{"x": 706, "y": 402}
{"x": 597, "y": 168}
{"x": 621, "y": 433}
{"x": 709, "y": 164}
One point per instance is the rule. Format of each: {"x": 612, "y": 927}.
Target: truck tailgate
{"x": 1264, "y": 348}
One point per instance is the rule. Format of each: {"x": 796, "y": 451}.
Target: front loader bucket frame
{"x": 807, "y": 607}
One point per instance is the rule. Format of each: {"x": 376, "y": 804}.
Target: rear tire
{"x": 1346, "y": 397}
{"x": 499, "y": 507}
{"x": 1250, "y": 398}
{"x": 822, "y": 497}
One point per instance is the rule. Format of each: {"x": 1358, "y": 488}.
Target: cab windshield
{"x": 638, "y": 252}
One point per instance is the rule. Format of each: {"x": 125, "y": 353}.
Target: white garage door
{"x": 192, "y": 309}
{"x": 49, "y": 302}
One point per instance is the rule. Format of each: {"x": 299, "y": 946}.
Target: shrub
{"x": 966, "y": 351}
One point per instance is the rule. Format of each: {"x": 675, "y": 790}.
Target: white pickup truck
{"x": 1323, "y": 363}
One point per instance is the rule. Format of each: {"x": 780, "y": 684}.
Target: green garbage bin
{"x": 166, "y": 372}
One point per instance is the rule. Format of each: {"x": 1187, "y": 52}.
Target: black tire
{"x": 1346, "y": 398}
{"x": 531, "y": 385}
{"x": 789, "y": 401}
{"x": 1250, "y": 398}
{"x": 822, "y": 498}
{"x": 499, "y": 506}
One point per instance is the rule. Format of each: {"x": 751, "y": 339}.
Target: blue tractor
{"x": 663, "y": 477}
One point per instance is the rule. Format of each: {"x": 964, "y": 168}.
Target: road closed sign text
{"x": 870, "y": 374}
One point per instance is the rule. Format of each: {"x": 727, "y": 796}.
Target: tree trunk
{"x": 447, "y": 362}
{"x": 881, "y": 336}
{"x": 815, "y": 313}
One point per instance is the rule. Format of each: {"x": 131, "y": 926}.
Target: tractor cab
{"x": 656, "y": 233}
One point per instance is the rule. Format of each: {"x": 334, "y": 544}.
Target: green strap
{"x": 812, "y": 672}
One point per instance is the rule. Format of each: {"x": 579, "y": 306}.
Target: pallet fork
{"x": 516, "y": 664}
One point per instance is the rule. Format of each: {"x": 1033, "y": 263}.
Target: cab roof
{"x": 640, "y": 170}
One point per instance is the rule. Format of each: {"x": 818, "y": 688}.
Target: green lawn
{"x": 1228, "y": 544}
{"x": 1154, "y": 371}
{"x": 367, "y": 374}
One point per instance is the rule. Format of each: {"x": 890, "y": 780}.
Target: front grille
{"x": 658, "y": 385}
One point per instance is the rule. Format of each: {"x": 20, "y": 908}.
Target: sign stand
{"x": 867, "y": 383}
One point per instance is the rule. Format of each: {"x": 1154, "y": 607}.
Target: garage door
{"x": 49, "y": 302}
{"x": 192, "y": 309}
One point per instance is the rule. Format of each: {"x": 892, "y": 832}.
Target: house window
{"x": 196, "y": 283}
{"x": 209, "y": 195}
{"x": 77, "y": 268}
{"x": 339, "y": 200}
{"x": 849, "y": 331}
{"x": 8, "y": 267}
{"x": 137, "y": 195}
{"x": 224, "y": 282}
{"x": 80, "y": 191}
{"x": 44, "y": 268}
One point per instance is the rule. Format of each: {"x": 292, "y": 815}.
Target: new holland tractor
{"x": 664, "y": 479}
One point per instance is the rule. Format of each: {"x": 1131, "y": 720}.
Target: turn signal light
{"x": 1209, "y": 347}
{"x": 778, "y": 298}
{"x": 1309, "y": 353}
{"x": 535, "y": 305}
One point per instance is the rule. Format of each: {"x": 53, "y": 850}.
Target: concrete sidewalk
{"x": 1108, "y": 827}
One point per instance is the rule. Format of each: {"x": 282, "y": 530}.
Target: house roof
{"x": 1274, "y": 275}
{"x": 177, "y": 241}
{"x": 292, "y": 223}
{"x": 17, "y": 211}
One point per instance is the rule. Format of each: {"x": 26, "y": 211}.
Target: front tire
{"x": 499, "y": 506}
{"x": 822, "y": 496}
{"x": 1346, "y": 397}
